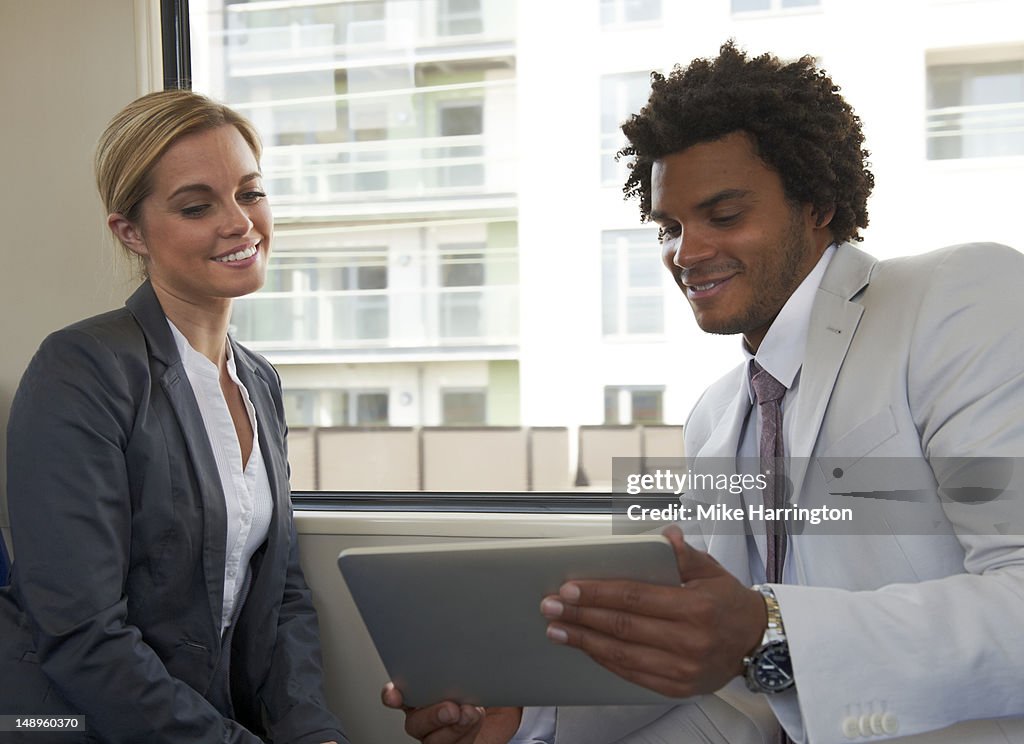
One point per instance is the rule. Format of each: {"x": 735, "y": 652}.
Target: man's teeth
{"x": 702, "y": 287}
{"x": 239, "y": 256}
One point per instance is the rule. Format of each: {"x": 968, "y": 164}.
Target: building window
{"x": 744, "y": 6}
{"x": 462, "y": 277}
{"x": 321, "y": 299}
{"x": 368, "y": 408}
{"x": 621, "y": 95}
{"x": 462, "y": 119}
{"x": 624, "y": 12}
{"x": 633, "y": 405}
{"x": 976, "y": 110}
{"x": 464, "y": 407}
{"x": 459, "y": 18}
{"x": 631, "y": 280}
{"x": 317, "y": 407}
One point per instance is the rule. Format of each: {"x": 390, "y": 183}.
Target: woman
{"x": 157, "y": 587}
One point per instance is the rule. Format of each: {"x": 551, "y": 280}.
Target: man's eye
{"x": 725, "y": 219}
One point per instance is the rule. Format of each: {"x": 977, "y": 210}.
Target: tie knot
{"x": 766, "y": 388}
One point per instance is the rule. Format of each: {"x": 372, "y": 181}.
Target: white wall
{"x": 65, "y": 68}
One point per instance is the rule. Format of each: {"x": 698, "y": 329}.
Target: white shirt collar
{"x": 195, "y": 362}
{"x": 781, "y": 352}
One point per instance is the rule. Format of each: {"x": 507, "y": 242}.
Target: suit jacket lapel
{"x": 726, "y": 540}
{"x": 834, "y": 319}
{"x": 168, "y": 368}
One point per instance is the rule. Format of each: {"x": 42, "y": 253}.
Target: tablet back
{"x": 462, "y": 621}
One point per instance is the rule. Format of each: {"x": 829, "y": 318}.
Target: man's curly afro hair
{"x": 802, "y": 128}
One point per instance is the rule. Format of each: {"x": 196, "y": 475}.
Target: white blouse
{"x": 247, "y": 496}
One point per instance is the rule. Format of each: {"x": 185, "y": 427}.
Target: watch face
{"x": 772, "y": 669}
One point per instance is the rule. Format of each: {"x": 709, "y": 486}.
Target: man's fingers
{"x": 651, "y": 667}
{"x": 443, "y": 723}
{"x": 391, "y": 697}
{"x": 693, "y": 563}
{"x": 621, "y": 624}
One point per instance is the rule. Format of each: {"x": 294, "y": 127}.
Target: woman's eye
{"x": 251, "y": 197}
{"x": 196, "y": 211}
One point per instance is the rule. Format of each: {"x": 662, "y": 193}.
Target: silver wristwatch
{"x": 768, "y": 668}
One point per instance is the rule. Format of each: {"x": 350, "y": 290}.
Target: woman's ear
{"x": 128, "y": 233}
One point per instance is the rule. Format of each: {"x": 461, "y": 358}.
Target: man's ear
{"x": 128, "y": 233}
{"x": 823, "y": 219}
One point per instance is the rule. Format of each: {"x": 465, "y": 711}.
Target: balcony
{"x": 334, "y": 325}
{"x": 993, "y": 130}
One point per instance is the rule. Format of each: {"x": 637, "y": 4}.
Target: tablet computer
{"x": 462, "y": 622}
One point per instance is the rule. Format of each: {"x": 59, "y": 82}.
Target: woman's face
{"x": 205, "y": 229}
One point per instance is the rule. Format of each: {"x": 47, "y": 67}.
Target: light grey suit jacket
{"x": 911, "y": 623}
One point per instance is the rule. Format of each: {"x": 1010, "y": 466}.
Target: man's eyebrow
{"x": 205, "y": 188}
{"x": 722, "y": 196}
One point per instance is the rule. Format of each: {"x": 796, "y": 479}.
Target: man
{"x": 905, "y": 625}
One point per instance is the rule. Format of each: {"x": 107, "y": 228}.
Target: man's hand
{"x": 451, "y": 723}
{"x": 679, "y": 641}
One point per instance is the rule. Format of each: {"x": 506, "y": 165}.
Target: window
{"x": 621, "y": 95}
{"x": 743, "y": 6}
{"x": 976, "y": 110}
{"x": 316, "y": 407}
{"x": 459, "y": 17}
{"x": 462, "y": 121}
{"x": 631, "y": 280}
{"x": 633, "y": 405}
{"x": 464, "y": 407}
{"x": 321, "y": 298}
{"x": 622, "y": 12}
{"x": 461, "y": 296}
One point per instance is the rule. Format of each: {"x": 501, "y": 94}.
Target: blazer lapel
{"x": 834, "y": 320}
{"x": 726, "y": 540}
{"x": 148, "y": 313}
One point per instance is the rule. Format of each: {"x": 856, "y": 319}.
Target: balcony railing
{"x": 976, "y": 131}
{"x": 395, "y": 169}
{"x": 381, "y": 319}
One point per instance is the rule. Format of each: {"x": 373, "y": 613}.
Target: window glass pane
{"x": 464, "y": 407}
{"x": 636, "y": 11}
{"x": 371, "y": 409}
{"x": 646, "y": 406}
{"x": 739, "y": 6}
{"x": 632, "y": 299}
{"x": 621, "y": 96}
{"x": 799, "y": 3}
{"x": 976, "y": 110}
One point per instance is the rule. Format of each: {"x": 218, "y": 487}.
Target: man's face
{"x": 734, "y": 244}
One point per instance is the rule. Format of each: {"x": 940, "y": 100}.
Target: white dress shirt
{"x": 247, "y": 494}
{"x": 781, "y": 354}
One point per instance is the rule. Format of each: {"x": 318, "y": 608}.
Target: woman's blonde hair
{"x": 142, "y": 132}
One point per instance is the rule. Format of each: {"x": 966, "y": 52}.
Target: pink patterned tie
{"x": 769, "y": 393}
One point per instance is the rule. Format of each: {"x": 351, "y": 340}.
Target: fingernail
{"x": 557, "y": 634}
{"x": 469, "y": 716}
{"x": 551, "y": 608}
{"x": 570, "y": 592}
{"x": 445, "y": 715}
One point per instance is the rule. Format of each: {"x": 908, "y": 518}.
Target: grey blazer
{"x": 913, "y": 370}
{"x": 119, "y": 529}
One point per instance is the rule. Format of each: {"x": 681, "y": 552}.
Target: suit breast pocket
{"x": 870, "y": 460}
